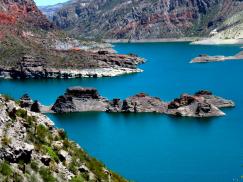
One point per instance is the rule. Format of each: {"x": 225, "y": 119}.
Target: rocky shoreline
{"x": 108, "y": 65}
{"x": 183, "y": 39}
{"x": 33, "y": 149}
{"x": 78, "y": 99}
{"x": 207, "y": 59}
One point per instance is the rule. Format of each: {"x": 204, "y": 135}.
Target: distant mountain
{"x": 50, "y": 10}
{"x": 145, "y": 19}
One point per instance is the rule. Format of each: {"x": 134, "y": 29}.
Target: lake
{"x": 153, "y": 147}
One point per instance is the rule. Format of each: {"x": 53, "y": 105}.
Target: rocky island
{"x": 33, "y": 149}
{"x": 207, "y": 59}
{"x": 78, "y": 99}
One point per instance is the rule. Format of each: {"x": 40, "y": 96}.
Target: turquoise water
{"x": 152, "y": 147}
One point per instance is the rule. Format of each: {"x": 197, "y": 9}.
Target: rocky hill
{"x": 31, "y": 47}
{"x": 145, "y": 19}
{"x": 32, "y": 149}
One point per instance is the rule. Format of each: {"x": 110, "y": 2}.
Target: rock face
{"x": 201, "y": 104}
{"x": 143, "y": 19}
{"x": 78, "y": 99}
{"x": 138, "y": 103}
{"x": 30, "y": 143}
{"x": 23, "y": 12}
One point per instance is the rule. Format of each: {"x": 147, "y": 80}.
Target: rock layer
{"x": 102, "y": 65}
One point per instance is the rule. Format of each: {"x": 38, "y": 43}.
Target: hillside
{"x": 123, "y": 19}
{"x": 26, "y": 34}
{"x": 32, "y": 149}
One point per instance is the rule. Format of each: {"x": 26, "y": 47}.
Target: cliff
{"x": 32, "y": 149}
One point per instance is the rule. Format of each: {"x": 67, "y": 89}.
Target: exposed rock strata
{"x": 202, "y": 104}
{"x": 207, "y": 59}
{"x": 104, "y": 64}
{"x": 77, "y": 99}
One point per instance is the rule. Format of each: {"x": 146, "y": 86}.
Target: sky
{"x": 48, "y": 2}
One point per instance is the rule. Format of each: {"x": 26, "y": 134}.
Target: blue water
{"x": 153, "y": 147}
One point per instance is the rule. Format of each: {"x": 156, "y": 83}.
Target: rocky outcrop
{"x": 138, "y": 103}
{"x": 30, "y": 144}
{"x": 201, "y": 104}
{"x": 207, "y": 59}
{"x": 78, "y": 99}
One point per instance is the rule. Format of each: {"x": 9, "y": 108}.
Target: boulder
{"x": 26, "y": 101}
{"x": 46, "y": 160}
{"x": 17, "y": 153}
{"x": 63, "y": 155}
{"x": 35, "y": 107}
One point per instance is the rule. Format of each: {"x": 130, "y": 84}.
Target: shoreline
{"x": 184, "y": 39}
{"x": 191, "y": 40}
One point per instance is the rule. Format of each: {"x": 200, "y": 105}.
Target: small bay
{"x": 153, "y": 147}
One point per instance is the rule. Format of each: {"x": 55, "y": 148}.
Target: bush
{"x": 46, "y": 175}
{"x": 5, "y": 169}
{"x": 62, "y": 134}
{"x": 42, "y": 132}
{"x": 77, "y": 179}
{"x": 34, "y": 165}
{"x": 51, "y": 153}
{"x": 21, "y": 113}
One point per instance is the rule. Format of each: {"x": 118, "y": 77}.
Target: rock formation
{"x": 201, "y": 104}
{"x": 138, "y": 103}
{"x": 78, "y": 99}
{"x": 207, "y": 59}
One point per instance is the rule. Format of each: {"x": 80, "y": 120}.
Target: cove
{"x": 152, "y": 147}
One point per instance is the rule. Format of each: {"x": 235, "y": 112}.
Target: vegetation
{"x": 47, "y": 175}
{"x": 5, "y": 169}
{"x": 6, "y": 140}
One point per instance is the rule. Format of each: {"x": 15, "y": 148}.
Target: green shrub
{"x": 47, "y": 175}
{"x": 41, "y": 133}
{"x": 5, "y": 169}
{"x": 51, "y": 153}
{"x": 62, "y": 134}
{"x": 77, "y": 179}
{"x": 34, "y": 165}
{"x": 21, "y": 113}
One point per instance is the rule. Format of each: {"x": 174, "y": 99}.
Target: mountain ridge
{"x": 125, "y": 19}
